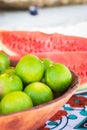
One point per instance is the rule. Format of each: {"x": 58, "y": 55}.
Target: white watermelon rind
{"x": 82, "y": 89}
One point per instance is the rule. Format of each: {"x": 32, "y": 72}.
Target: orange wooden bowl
{"x": 33, "y": 118}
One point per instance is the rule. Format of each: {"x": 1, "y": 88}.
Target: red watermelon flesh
{"x": 29, "y": 42}
{"x": 69, "y": 43}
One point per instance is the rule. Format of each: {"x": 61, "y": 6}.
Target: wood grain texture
{"x": 33, "y": 118}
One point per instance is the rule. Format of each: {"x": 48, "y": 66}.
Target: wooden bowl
{"x": 33, "y": 118}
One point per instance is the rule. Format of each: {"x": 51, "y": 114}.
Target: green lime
{"x": 39, "y": 93}
{"x": 10, "y": 70}
{"x": 9, "y": 83}
{"x": 4, "y": 62}
{"x": 15, "y": 102}
{"x": 30, "y": 69}
{"x": 58, "y": 77}
{"x": 47, "y": 62}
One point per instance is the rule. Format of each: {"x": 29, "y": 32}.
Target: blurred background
{"x": 62, "y": 16}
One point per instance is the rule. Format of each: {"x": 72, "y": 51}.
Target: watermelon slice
{"x": 69, "y": 50}
{"x": 28, "y": 42}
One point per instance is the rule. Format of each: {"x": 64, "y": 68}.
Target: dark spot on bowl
{"x": 14, "y": 124}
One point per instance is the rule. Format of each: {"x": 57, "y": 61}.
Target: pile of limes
{"x": 31, "y": 82}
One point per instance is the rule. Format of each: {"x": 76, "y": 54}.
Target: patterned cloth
{"x": 72, "y": 116}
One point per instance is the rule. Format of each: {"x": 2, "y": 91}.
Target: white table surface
{"x": 70, "y": 20}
